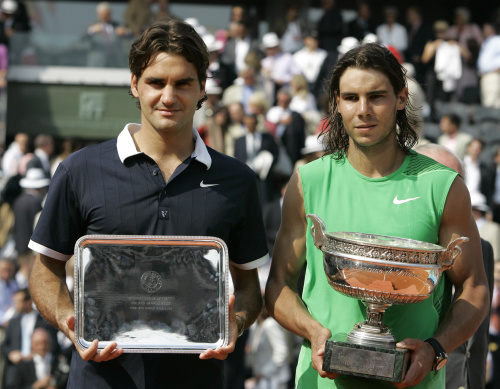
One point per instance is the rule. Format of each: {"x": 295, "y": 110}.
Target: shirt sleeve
{"x": 61, "y": 223}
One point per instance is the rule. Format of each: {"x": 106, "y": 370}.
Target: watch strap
{"x": 440, "y": 353}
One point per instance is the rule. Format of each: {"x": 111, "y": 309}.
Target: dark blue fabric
{"x": 93, "y": 192}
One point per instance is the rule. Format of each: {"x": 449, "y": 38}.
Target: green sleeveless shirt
{"x": 409, "y": 203}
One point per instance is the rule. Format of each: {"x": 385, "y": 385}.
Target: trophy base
{"x": 381, "y": 362}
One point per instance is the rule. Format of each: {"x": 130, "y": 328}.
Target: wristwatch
{"x": 441, "y": 355}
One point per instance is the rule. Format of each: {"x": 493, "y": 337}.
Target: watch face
{"x": 440, "y": 363}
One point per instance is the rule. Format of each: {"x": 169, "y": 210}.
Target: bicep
{"x": 289, "y": 251}
{"x": 457, "y": 221}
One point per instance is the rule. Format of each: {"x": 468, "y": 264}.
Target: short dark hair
{"x": 367, "y": 56}
{"x": 25, "y": 292}
{"x": 174, "y": 37}
{"x": 453, "y": 118}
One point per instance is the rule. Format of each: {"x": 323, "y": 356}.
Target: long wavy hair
{"x": 173, "y": 37}
{"x": 367, "y": 56}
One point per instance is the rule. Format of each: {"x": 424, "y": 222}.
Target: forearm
{"x": 284, "y": 304}
{"x": 50, "y": 293}
{"x": 464, "y": 316}
{"x": 248, "y": 298}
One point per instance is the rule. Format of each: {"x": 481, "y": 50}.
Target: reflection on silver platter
{"x": 151, "y": 293}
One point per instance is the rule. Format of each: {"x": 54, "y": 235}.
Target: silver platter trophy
{"x": 380, "y": 271}
{"x": 161, "y": 294}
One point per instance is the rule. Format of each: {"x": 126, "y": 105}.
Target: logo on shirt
{"x": 206, "y": 185}
{"x": 397, "y": 201}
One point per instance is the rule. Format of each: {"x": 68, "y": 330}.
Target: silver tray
{"x": 162, "y": 294}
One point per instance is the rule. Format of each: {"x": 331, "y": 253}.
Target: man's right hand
{"x": 318, "y": 351}
{"x": 15, "y": 356}
{"x": 92, "y": 353}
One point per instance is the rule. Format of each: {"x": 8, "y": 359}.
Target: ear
{"x": 402, "y": 99}
{"x": 133, "y": 86}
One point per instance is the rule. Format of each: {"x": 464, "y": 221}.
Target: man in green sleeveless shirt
{"x": 370, "y": 181}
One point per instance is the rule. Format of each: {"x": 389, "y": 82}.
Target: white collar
{"x": 126, "y": 146}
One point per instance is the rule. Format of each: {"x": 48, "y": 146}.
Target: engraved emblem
{"x": 151, "y": 281}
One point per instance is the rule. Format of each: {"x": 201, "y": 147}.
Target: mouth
{"x": 168, "y": 112}
{"x": 365, "y": 127}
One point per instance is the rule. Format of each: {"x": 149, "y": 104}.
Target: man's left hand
{"x": 222, "y": 352}
{"x": 421, "y": 360}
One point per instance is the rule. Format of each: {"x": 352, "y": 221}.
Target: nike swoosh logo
{"x": 396, "y": 201}
{"x": 206, "y": 185}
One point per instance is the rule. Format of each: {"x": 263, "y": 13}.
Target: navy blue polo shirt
{"x": 111, "y": 188}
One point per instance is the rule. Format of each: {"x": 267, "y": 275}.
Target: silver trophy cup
{"x": 381, "y": 271}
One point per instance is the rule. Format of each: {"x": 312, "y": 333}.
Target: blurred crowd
{"x": 266, "y": 104}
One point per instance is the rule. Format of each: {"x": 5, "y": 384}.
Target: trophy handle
{"x": 453, "y": 251}
{"x": 318, "y": 230}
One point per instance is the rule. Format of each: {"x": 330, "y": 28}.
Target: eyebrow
{"x": 180, "y": 81}
{"x": 375, "y": 92}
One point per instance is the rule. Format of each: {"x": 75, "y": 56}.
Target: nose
{"x": 364, "y": 107}
{"x": 168, "y": 95}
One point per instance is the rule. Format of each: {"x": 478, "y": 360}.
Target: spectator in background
{"x": 443, "y": 63}
{"x": 310, "y": 58}
{"x": 289, "y": 126}
{"x": 477, "y": 171}
{"x": 44, "y": 148}
{"x": 331, "y": 27}
{"x": 278, "y": 67}
{"x": 452, "y": 138}
{"x": 391, "y": 33}
{"x": 416, "y": 98}
{"x": 302, "y": 100}
{"x": 68, "y": 146}
{"x": 291, "y": 28}
{"x": 214, "y": 47}
{"x": 236, "y": 128}
{"x": 488, "y": 66}
{"x": 362, "y": 25}
{"x": 8, "y": 287}
{"x": 213, "y": 102}
{"x": 214, "y": 130}
{"x": 41, "y": 369}
{"x": 238, "y": 44}
{"x": 259, "y": 151}
{"x": 14, "y": 153}
{"x": 17, "y": 342}
{"x": 243, "y": 88}
{"x": 469, "y": 37}
{"x": 269, "y": 354}
{"x": 13, "y": 19}
{"x": 24, "y": 265}
{"x": 419, "y": 33}
{"x": 27, "y": 205}
{"x": 138, "y": 15}
{"x": 488, "y": 230}
{"x": 104, "y": 37}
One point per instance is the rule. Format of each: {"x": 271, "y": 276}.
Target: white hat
{"x": 410, "y": 69}
{"x": 8, "y": 6}
{"x": 370, "y": 38}
{"x": 347, "y": 43}
{"x": 212, "y": 43}
{"x": 212, "y": 88}
{"x": 478, "y": 201}
{"x": 35, "y": 179}
{"x": 270, "y": 40}
{"x": 313, "y": 145}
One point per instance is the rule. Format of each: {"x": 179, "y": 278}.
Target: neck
{"x": 167, "y": 150}
{"x": 376, "y": 161}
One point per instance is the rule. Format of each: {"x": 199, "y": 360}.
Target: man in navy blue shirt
{"x": 156, "y": 178}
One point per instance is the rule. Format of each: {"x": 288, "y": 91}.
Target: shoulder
{"x": 230, "y": 165}
{"x": 420, "y": 164}
{"x": 91, "y": 154}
